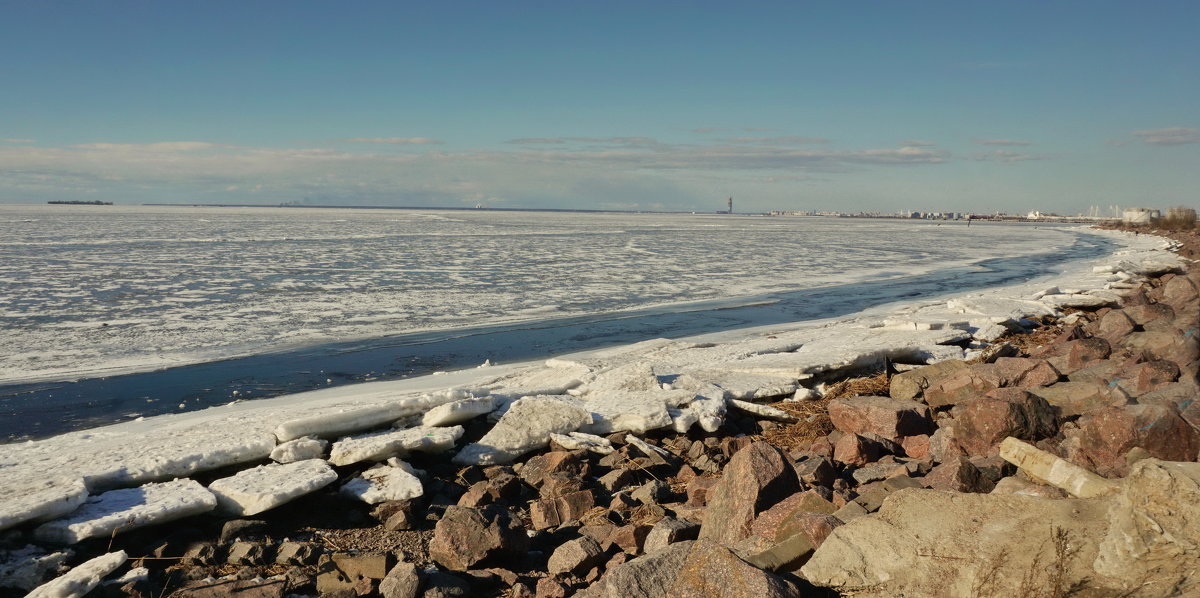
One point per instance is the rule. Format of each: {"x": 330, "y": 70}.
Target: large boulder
{"x": 648, "y": 576}
{"x": 464, "y": 537}
{"x": 1106, "y": 435}
{"x": 910, "y": 385}
{"x": 887, "y": 417}
{"x": 937, "y": 543}
{"x": 712, "y": 570}
{"x": 756, "y": 478}
{"x": 981, "y": 423}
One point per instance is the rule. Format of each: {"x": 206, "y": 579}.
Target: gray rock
{"x": 669, "y": 531}
{"x": 648, "y": 576}
{"x": 403, "y": 581}
{"x": 575, "y": 557}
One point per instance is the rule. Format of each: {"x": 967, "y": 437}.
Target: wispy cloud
{"x": 646, "y": 142}
{"x": 16, "y": 140}
{"x": 783, "y": 140}
{"x": 1169, "y": 136}
{"x": 394, "y": 140}
{"x": 536, "y": 140}
{"x": 917, "y": 143}
{"x": 706, "y": 130}
{"x": 1005, "y": 156}
{"x": 1002, "y": 142}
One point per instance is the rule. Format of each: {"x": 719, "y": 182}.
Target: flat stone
{"x": 910, "y": 385}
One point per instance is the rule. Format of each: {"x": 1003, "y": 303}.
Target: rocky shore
{"x": 1050, "y": 452}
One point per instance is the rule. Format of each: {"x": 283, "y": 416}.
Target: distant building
{"x": 1140, "y": 215}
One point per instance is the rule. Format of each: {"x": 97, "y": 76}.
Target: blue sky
{"x": 964, "y": 106}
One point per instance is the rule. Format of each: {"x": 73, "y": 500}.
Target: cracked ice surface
{"x": 123, "y": 510}
{"x": 253, "y": 491}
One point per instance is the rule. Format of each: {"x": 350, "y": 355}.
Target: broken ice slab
{"x": 27, "y": 499}
{"x": 129, "y": 508}
{"x": 738, "y": 385}
{"x": 24, "y": 568}
{"x": 299, "y": 449}
{"x": 458, "y": 411}
{"x": 82, "y": 578}
{"x": 390, "y": 443}
{"x": 854, "y": 348}
{"x": 383, "y": 483}
{"x": 265, "y": 487}
{"x": 576, "y": 441}
{"x": 350, "y": 420}
{"x": 632, "y": 411}
{"x": 525, "y": 427}
{"x": 764, "y": 411}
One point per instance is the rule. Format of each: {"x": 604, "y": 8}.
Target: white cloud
{"x": 917, "y": 143}
{"x": 16, "y": 140}
{"x": 1005, "y": 156}
{"x": 1003, "y": 142}
{"x": 394, "y": 140}
{"x": 782, "y": 140}
{"x": 1169, "y": 136}
{"x": 163, "y": 146}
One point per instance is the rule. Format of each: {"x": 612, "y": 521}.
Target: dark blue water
{"x": 39, "y": 410}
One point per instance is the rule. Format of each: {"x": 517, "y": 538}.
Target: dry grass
{"x": 813, "y": 416}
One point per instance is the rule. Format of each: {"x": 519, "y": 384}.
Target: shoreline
{"x": 757, "y": 352}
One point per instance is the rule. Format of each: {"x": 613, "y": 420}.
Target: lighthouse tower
{"x": 731, "y": 205}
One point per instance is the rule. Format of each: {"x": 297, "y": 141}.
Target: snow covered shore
{"x": 655, "y": 384}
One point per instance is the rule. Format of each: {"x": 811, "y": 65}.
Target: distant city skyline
{"x": 933, "y": 106}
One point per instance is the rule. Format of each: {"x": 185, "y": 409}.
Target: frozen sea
{"x": 115, "y": 312}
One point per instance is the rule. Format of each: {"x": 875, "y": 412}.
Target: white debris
{"x": 682, "y": 420}
{"x": 123, "y": 510}
{"x": 709, "y": 408}
{"x": 299, "y": 449}
{"x": 24, "y": 568}
{"x": 134, "y": 574}
{"x": 23, "y": 500}
{"x": 527, "y": 426}
{"x": 381, "y": 445}
{"x": 265, "y": 487}
{"x": 1078, "y": 300}
{"x": 576, "y": 441}
{"x": 763, "y": 410}
{"x": 82, "y": 578}
{"x": 647, "y": 449}
{"x": 383, "y": 483}
{"x": 458, "y": 411}
{"x": 806, "y": 394}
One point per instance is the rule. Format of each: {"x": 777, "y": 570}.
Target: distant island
{"x": 81, "y": 203}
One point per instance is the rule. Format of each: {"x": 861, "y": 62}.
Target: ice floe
{"x": 122, "y": 510}
{"x": 458, "y": 411}
{"x": 82, "y": 578}
{"x": 384, "y": 483}
{"x": 253, "y": 491}
{"x": 299, "y": 449}
{"x": 576, "y": 441}
{"x": 525, "y": 427}
{"x": 34, "y": 499}
{"x": 24, "y": 568}
{"x": 378, "y": 446}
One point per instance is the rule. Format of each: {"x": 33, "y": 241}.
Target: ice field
{"x": 95, "y": 291}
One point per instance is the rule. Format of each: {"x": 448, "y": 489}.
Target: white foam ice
{"x": 82, "y": 578}
{"x": 25, "y": 499}
{"x": 764, "y": 411}
{"x": 378, "y": 446}
{"x": 265, "y": 487}
{"x": 122, "y": 510}
{"x": 299, "y": 449}
{"x": 525, "y": 427}
{"x": 383, "y": 483}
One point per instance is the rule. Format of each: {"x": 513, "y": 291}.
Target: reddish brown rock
{"x": 916, "y": 447}
{"x": 981, "y": 424}
{"x": 552, "y": 512}
{"x": 540, "y": 466}
{"x": 855, "y": 451}
{"x": 1142, "y": 378}
{"x": 755, "y": 479}
{"x": 464, "y": 537}
{"x": 698, "y": 489}
{"x": 629, "y": 538}
{"x": 1082, "y": 352}
{"x": 548, "y": 587}
{"x": 1114, "y": 326}
{"x": 910, "y": 385}
{"x": 713, "y": 570}
{"x": 1180, "y": 293}
{"x": 1023, "y": 372}
{"x": 781, "y": 520}
{"x": 816, "y": 471}
{"x": 575, "y": 557}
{"x": 1106, "y": 435}
{"x": 1171, "y": 345}
{"x": 964, "y": 384}
{"x": 1154, "y": 316}
{"x": 884, "y": 416}
{"x": 958, "y": 475}
{"x": 944, "y": 445}
{"x": 1077, "y": 398}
